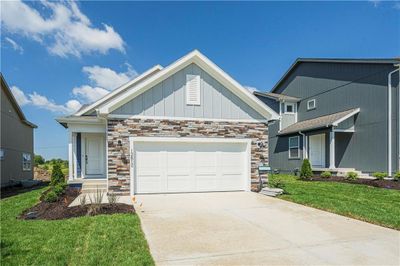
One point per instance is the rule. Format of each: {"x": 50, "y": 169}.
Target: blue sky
{"x": 56, "y": 56}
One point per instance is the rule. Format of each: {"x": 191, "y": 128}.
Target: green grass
{"x": 375, "y": 205}
{"x": 99, "y": 240}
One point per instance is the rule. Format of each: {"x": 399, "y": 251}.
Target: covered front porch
{"x": 87, "y": 154}
{"x": 325, "y": 139}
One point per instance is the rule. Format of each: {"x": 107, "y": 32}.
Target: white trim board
{"x": 209, "y": 67}
{"x": 133, "y": 140}
{"x": 114, "y": 116}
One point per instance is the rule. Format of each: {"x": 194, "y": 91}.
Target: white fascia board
{"x": 80, "y": 120}
{"x": 337, "y": 122}
{"x": 118, "y": 90}
{"x": 206, "y": 64}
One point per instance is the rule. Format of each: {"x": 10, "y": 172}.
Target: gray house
{"x": 337, "y": 113}
{"x": 16, "y": 147}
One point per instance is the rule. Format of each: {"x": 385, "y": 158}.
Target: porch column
{"x": 70, "y": 157}
{"x": 332, "y": 149}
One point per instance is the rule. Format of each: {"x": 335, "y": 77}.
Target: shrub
{"x": 396, "y": 176}
{"x": 351, "y": 176}
{"x": 39, "y": 160}
{"x": 380, "y": 175}
{"x": 326, "y": 174}
{"x": 57, "y": 176}
{"x": 306, "y": 171}
{"x": 276, "y": 183}
{"x": 82, "y": 200}
{"x": 112, "y": 198}
{"x": 59, "y": 188}
{"x": 50, "y": 196}
{"x": 95, "y": 202}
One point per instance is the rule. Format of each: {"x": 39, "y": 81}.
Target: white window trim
{"x": 308, "y": 104}
{"x": 25, "y": 164}
{"x": 189, "y": 79}
{"x": 298, "y": 147}
{"x": 293, "y": 108}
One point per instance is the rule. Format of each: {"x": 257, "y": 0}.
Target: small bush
{"x": 380, "y": 175}
{"x": 351, "y": 176}
{"x": 306, "y": 171}
{"x": 396, "y": 176}
{"x": 112, "y": 198}
{"x": 326, "y": 174}
{"x": 276, "y": 183}
{"x": 57, "y": 176}
{"x": 50, "y": 196}
{"x": 82, "y": 200}
{"x": 95, "y": 202}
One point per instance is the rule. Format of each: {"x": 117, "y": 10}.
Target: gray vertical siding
{"x": 342, "y": 86}
{"x": 168, "y": 98}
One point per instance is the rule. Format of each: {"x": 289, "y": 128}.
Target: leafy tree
{"x": 57, "y": 177}
{"x": 38, "y": 160}
{"x": 306, "y": 171}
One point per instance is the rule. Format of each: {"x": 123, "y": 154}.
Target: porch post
{"x": 70, "y": 157}
{"x": 332, "y": 149}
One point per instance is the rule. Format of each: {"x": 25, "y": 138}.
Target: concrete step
{"x": 90, "y": 186}
{"x": 272, "y": 192}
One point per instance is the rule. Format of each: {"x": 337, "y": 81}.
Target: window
{"x": 289, "y": 108}
{"x": 26, "y": 162}
{"x": 192, "y": 89}
{"x": 311, "y": 104}
{"x": 1, "y": 154}
{"x": 294, "y": 144}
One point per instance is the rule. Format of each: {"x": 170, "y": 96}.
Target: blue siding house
{"x": 336, "y": 112}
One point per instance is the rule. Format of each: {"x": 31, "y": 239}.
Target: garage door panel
{"x": 190, "y": 167}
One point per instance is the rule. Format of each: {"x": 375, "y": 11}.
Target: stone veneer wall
{"x": 119, "y": 131}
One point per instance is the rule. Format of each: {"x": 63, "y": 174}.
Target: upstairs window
{"x": 311, "y": 104}
{"x": 294, "y": 147}
{"x": 192, "y": 89}
{"x": 289, "y": 108}
{"x": 26, "y": 162}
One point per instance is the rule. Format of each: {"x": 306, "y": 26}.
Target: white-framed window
{"x": 294, "y": 147}
{"x": 289, "y": 108}
{"x": 192, "y": 89}
{"x": 2, "y": 154}
{"x": 26, "y": 162}
{"x": 311, "y": 104}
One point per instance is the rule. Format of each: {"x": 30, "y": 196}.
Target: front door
{"x": 94, "y": 155}
{"x": 317, "y": 150}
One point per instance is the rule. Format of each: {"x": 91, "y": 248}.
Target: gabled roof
{"x": 277, "y": 96}
{"x": 334, "y": 60}
{"x": 204, "y": 63}
{"x": 14, "y": 102}
{"x": 319, "y": 122}
{"x": 92, "y": 107}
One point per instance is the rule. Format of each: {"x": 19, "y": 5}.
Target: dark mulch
{"x": 389, "y": 184}
{"x": 59, "y": 210}
{"x": 19, "y": 189}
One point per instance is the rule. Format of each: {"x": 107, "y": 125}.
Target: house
{"x": 187, "y": 127}
{"x": 16, "y": 147}
{"x": 335, "y": 112}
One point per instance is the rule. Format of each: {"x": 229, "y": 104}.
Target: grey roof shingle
{"x": 316, "y": 123}
{"x": 276, "y": 96}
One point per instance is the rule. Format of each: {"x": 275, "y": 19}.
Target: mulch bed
{"x": 389, "y": 184}
{"x": 59, "y": 210}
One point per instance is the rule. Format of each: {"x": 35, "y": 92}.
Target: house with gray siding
{"x": 341, "y": 114}
{"x": 188, "y": 127}
{"x": 16, "y": 147}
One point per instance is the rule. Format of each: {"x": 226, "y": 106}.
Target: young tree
{"x": 57, "y": 177}
{"x": 306, "y": 171}
{"x": 38, "y": 160}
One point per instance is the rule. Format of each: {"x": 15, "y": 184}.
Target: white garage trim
{"x": 136, "y": 140}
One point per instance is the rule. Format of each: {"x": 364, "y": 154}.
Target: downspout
{"x": 304, "y": 145}
{"x": 390, "y": 121}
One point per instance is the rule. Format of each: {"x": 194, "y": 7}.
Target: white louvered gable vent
{"x": 192, "y": 89}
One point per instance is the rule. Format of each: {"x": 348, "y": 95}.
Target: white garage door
{"x": 162, "y": 167}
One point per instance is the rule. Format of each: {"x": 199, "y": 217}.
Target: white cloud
{"x": 251, "y": 89}
{"x": 43, "y": 102}
{"x": 67, "y": 31}
{"x": 108, "y": 78}
{"x": 15, "y": 45}
{"x": 89, "y": 94}
{"x": 19, "y": 96}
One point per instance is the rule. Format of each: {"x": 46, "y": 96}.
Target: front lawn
{"x": 100, "y": 240}
{"x": 375, "y": 205}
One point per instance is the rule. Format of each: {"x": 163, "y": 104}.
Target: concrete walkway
{"x": 243, "y": 228}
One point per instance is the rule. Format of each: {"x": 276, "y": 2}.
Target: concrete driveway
{"x": 242, "y": 228}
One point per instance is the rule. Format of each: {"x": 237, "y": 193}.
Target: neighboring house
{"x": 188, "y": 127}
{"x": 335, "y": 112}
{"x": 16, "y": 147}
